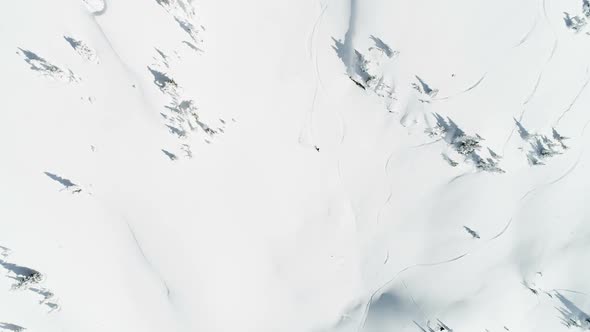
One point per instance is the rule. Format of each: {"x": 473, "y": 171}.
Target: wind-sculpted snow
{"x": 543, "y": 146}
{"x": 96, "y": 7}
{"x": 295, "y": 166}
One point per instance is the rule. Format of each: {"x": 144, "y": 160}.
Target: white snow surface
{"x": 294, "y": 166}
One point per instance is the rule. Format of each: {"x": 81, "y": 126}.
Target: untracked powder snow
{"x": 294, "y": 166}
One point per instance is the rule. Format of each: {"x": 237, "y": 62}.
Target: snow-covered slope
{"x": 323, "y": 165}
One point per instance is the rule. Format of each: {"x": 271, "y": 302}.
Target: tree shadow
{"x": 63, "y": 181}
{"x": 524, "y": 134}
{"x": 355, "y": 67}
{"x": 73, "y": 42}
{"x": 11, "y": 327}
{"x": 18, "y": 270}
{"x": 37, "y": 63}
{"x": 440, "y": 326}
{"x": 170, "y": 155}
{"x": 425, "y": 87}
{"x": 450, "y": 128}
{"x": 340, "y": 50}
{"x": 380, "y": 44}
{"x": 571, "y": 314}
{"x": 161, "y": 80}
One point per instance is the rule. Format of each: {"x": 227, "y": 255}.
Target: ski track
{"x": 313, "y": 30}
{"x": 310, "y": 117}
{"x": 584, "y": 128}
{"x": 317, "y": 72}
{"x": 313, "y": 54}
{"x": 540, "y": 77}
{"x": 547, "y": 16}
{"x": 425, "y": 144}
{"x": 519, "y": 43}
{"x": 482, "y": 78}
{"x": 571, "y": 105}
{"x": 394, "y": 278}
{"x": 383, "y": 206}
{"x": 414, "y": 301}
{"x": 473, "y": 86}
{"x": 343, "y": 127}
{"x": 319, "y": 84}
{"x": 313, "y": 48}
{"x": 555, "y": 36}
{"x": 311, "y": 111}
{"x": 528, "y": 33}
{"x": 502, "y": 231}
{"x": 543, "y": 186}
{"x": 456, "y": 258}
{"x": 458, "y": 177}
{"x": 532, "y": 94}
{"x": 130, "y": 72}
{"x": 147, "y": 261}
{"x": 553, "y": 50}
{"x": 386, "y": 167}
{"x": 510, "y": 221}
